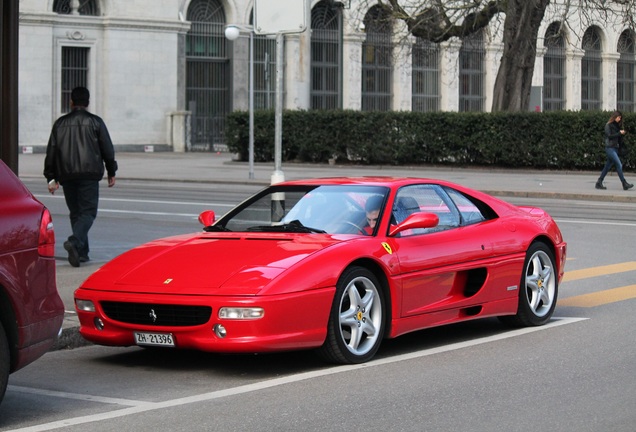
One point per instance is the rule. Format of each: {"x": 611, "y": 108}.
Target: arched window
{"x": 84, "y": 7}
{"x": 625, "y": 82}
{"x": 426, "y": 76}
{"x": 471, "y": 73}
{"x": 207, "y": 74}
{"x": 326, "y": 56}
{"x": 554, "y": 69}
{"x": 591, "y": 70}
{"x": 377, "y": 64}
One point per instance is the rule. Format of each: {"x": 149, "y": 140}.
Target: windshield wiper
{"x": 294, "y": 226}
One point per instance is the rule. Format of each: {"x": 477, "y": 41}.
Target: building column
{"x": 352, "y": 71}
{"x": 573, "y": 81}
{"x": 449, "y": 69}
{"x": 240, "y": 67}
{"x": 402, "y": 83}
{"x": 297, "y": 71}
{"x": 610, "y": 97}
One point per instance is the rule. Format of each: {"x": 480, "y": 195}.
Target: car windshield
{"x": 332, "y": 209}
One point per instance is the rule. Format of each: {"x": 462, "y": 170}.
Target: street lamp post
{"x": 232, "y": 32}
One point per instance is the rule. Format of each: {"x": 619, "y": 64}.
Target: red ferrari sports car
{"x": 334, "y": 264}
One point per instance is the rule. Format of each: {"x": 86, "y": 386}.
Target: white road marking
{"x": 589, "y": 222}
{"x": 135, "y": 407}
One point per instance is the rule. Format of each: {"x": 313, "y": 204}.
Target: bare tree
{"x": 440, "y": 20}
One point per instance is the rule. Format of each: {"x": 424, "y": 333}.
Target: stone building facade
{"x": 163, "y": 75}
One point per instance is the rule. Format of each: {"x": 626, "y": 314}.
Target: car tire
{"x": 357, "y": 319}
{"x": 538, "y": 288}
{"x": 5, "y": 359}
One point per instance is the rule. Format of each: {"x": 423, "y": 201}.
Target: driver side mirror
{"x": 416, "y": 220}
{"x": 207, "y": 218}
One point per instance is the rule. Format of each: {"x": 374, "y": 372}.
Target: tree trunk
{"x": 514, "y": 78}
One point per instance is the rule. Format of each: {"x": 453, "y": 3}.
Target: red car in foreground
{"x": 31, "y": 310}
{"x": 298, "y": 266}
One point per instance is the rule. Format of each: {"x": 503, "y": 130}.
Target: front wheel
{"x": 357, "y": 318}
{"x": 539, "y": 288}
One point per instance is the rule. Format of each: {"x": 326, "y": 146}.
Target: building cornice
{"x": 103, "y": 23}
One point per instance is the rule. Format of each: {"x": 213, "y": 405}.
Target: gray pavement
{"x": 222, "y": 167}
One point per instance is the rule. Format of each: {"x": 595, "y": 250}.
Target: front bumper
{"x": 290, "y": 321}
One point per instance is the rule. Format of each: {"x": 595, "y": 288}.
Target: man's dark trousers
{"x": 81, "y": 198}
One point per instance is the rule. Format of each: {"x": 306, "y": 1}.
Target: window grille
{"x": 625, "y": 81}
{"x": 74, "y": 73}
{"x": 471, "y": 73}
{"x": 426, "y": 76}
{"x": 264, "y": 72}
{"x": 591, "y": 70}
{"x": 85, "y": 7}
{"x": 326, "y": 56}
{"x": 554, "y": 69}
{"x": 207, "y": 74}
{"x": 377, "y": 64}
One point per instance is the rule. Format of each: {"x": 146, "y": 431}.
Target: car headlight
{"x": 234, "y": 313}
{"x": 84, "y": 305}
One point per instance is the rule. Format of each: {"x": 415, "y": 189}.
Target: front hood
{"x": 217, "y": 264}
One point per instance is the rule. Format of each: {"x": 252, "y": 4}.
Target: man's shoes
{"x": 84, "y": 259}
{"x": 627, "y": 186}
{"x": 73, "y": 255}
{"x": 599, "y": 185}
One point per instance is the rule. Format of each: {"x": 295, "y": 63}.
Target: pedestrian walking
{"x": 614, "y": 133}
{"x": 79, "y": 147}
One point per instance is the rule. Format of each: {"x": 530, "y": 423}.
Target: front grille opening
{"x": 159, "y": 315}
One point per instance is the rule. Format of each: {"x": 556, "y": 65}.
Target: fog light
{"x": 99, "y": 324}
{"x": 84, "y": 305}
{"x": 241, "y": 313}
{"x": 220, "y": 331}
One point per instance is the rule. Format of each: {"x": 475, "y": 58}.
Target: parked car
{"x": 31, "y": 310}
{"x": 298, "y": 265}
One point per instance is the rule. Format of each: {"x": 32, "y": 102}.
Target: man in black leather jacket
{"x": 78, "y": 149}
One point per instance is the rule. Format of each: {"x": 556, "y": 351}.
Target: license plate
{"x": 154, "y": 339}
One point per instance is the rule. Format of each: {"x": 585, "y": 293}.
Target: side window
{"x": 427, "y": 199}
{"x": 468, "y": 210}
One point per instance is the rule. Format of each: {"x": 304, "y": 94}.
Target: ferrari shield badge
{"x": 387, "y": 247}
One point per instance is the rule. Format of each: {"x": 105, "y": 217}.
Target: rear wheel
{"x": 4, "y": 362}
{"x": 538, "y": 288}
{"x": 357, "y": 319}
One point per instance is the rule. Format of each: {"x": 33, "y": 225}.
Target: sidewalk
{"x": 221, "y": 168}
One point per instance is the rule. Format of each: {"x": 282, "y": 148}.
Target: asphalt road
{"x": 575, "y": 374}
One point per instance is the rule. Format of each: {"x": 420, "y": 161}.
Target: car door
{"x": 444, "y": 267}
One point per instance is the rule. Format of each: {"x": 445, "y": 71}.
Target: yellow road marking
{"x": 599, "y": 271}
{"x": 600, "y": 297}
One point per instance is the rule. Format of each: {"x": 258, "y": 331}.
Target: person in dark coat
{"x": 79, "y": 147}
{"x": 613, "y": 140}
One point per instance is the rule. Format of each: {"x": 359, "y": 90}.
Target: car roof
{"x": 387, "y": 181}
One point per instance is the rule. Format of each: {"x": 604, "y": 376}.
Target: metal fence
{"x": 207, "y": 75}
{"x": 74, "y": 73}
{"x": 554, "y": 70}
{"x": 471, "y": 73}
{"x": 326, "y": 56}
{"x": 377, "y": 61}
{"x": 625, "y": 81}
{"x": 591, "y": 70}
{"x": 426, "y": 76}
